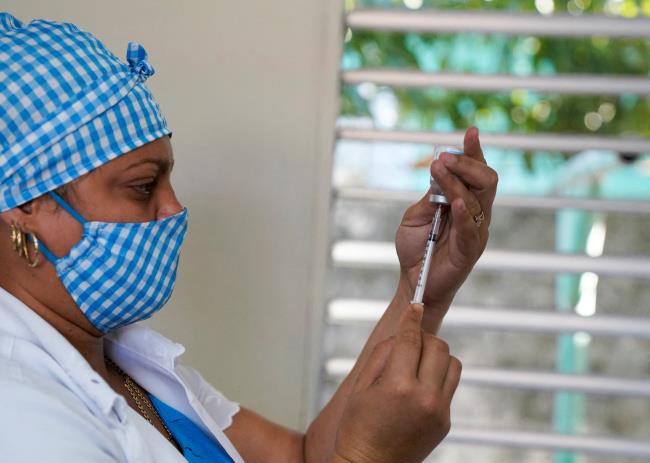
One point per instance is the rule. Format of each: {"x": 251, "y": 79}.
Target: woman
{"x": 93, "y": 232}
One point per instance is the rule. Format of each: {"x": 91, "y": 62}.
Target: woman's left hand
{"x": 470, "y": 186}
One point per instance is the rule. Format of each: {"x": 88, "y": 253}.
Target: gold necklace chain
{"x": 142, "y": 401}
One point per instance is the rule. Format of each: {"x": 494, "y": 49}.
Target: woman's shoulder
{"x": 42, "y": 420}
{"x": 24, "y": 363}
{"x": 30, "y": 392}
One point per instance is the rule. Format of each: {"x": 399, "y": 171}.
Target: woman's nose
{"x": 169, "y": 205}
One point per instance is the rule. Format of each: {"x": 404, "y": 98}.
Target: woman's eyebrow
{"x": 164, "y": 164}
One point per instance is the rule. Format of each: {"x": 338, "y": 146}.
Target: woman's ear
{"x": 26, "y": 216}
{"x": 12, "y": 216}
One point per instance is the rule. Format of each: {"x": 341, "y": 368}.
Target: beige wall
{"x": 249, "y": 89}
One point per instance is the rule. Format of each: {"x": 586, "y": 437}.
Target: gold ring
{"x": 478, "y": 219}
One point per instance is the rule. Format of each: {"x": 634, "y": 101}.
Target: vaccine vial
{"x": 437, "y": 196}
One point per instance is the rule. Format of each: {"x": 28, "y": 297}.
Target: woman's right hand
{"x": 399, "y": 409}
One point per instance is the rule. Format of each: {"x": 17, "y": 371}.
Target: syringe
{"x": 436, "y": 197}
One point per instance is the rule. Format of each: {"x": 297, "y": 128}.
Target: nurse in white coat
{"x": 90, "y": 238}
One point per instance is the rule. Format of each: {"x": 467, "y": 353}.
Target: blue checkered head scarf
{"x": 67, "y": 106}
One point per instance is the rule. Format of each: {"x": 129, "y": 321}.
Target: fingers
{"x": 454, "y": 188}
{"x": 405, "y": 357}
{"x": 465, "y": 236}
{"x": 375, "y": 364}
{"x": 452, "y": 379}
{"x": 475, "y": 174}
{"x": 435, "y": 361}
{"x": 480, "y": 178}
{"x": 455, "y": 174}
{"x": 472, "y": 145}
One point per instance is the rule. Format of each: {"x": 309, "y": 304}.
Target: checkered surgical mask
{"x": 121, "y": 273}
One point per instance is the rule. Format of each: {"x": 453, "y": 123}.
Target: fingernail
{"x": 448, "y": 159}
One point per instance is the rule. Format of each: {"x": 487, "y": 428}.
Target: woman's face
{"x": 135, "y": 187}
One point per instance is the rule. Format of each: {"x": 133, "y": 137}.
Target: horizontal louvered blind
{"x": 371, "y": 255}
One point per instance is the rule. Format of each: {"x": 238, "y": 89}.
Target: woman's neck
{"x": 88, "y": 343}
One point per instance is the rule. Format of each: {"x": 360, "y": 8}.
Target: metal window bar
{"x": 361, "y": 312}
{"x": 575, "y": 84}
{"x": 338, "y": 368}
{"x": 382, "y": 255}
{"x": 438, "y": 21}
{"x": 529, "y": 202}
{"x": 594, "y": 445}
{"x": 560, "y": 143}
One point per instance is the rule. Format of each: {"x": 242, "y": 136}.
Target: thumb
{"x": 419, "y": 213}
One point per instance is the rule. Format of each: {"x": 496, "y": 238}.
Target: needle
{"x": 428, "y": 253}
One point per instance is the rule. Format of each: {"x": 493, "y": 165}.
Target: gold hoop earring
{"x": 20, "y": 243}
{"x": 33, "y": 262}
{"x": 16, "y": 238}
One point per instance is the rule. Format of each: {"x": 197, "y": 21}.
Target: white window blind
{"x": 370, "y": 262}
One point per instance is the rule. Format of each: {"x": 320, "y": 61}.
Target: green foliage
{"x": 518, "y": 111}
{"x": 623, "y": 7}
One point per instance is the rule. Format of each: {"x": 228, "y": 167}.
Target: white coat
{"x": 55, "y": 408}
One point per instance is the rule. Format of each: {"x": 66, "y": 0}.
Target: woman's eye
{"x": 144, "y": 188}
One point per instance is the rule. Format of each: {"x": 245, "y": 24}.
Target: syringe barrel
{"x": 437, "y": 196}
